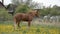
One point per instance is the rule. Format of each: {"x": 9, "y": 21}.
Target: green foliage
{"x": 55, "y": 10}
{"x": 22, "y": 9}
{"x": 24, "y": 32}
{"x": 15, "y": 2}
{"x": 4, "y": 14}
{"x": 44, "y": 12}
{"x": 24, "y": 6}
{"x": 38, "y": 30}
{"x": 52, "y": 11}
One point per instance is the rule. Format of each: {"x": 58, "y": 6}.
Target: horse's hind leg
{"x": 18, "y": 24}
{"x": 29, "y": 22}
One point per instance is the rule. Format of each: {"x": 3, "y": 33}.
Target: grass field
{"x": 34, "y": 29}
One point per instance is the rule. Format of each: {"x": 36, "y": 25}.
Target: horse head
{"x": 34, "y": 13}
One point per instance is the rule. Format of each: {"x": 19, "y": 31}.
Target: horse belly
{"x": 25, "y": 19}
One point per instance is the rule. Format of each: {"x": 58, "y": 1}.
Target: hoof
{"x": 28, "y": 28}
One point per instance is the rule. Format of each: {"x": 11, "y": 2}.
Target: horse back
{"x": 23, "y": 17}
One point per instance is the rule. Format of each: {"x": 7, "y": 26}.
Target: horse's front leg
{"x": 15, "y": 25}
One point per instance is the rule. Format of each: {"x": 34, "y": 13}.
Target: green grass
{"x": 7, "y": 28}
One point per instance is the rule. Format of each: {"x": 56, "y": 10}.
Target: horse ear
{"x": 36, "y": 11}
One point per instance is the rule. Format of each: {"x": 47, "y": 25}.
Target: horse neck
{"x": 31, "y": 15}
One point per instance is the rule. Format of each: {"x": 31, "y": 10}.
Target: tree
{"x": 16, "y": 2}
{"x": 22, "y": 9}
{"x": 24, "y": 6}
{"x": 55, "y": 10}
{"x": 2, "y": 1}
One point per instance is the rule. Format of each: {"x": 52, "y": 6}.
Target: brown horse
{"x": 24, "y": 17}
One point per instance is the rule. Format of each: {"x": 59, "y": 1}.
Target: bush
{"x": 22, "y": 9}
{"x": 4, "y": 15}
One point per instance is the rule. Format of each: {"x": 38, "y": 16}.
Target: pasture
{"x": 6, "y": 27}
{"x": 39, "y": 28}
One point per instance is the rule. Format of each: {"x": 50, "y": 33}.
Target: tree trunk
{"x": 3, "y": 1}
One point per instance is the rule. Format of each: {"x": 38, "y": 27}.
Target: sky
{"x": 44, "y": 2}
{"x": 48, "y": 2}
